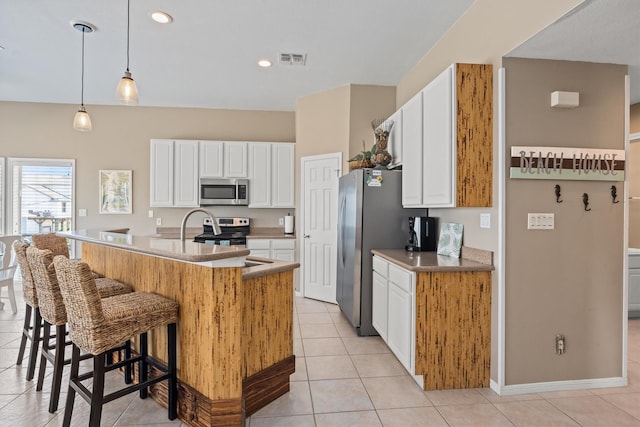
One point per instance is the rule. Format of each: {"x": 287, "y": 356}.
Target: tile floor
{"x": 341, "y": 380}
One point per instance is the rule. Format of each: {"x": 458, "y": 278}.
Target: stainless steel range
{"x": 234, "y": 232}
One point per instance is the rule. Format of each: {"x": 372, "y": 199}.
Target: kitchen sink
{"x": 256, "y": 263}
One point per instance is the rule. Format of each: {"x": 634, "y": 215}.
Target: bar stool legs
{"x": 58, "y": 362}
{"x": 96, "y": 396}
{"x": 32, "y": 333}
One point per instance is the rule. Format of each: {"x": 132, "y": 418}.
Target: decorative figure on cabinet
{"x": 381, "y": 157}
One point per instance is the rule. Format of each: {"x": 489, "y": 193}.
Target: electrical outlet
{"x": 82, "y": 212}
{"x": 150, "y": 213}
{"x": 158, "y": 221}
{"x": 485, "y": 220}
{"x": 540, "y": 221}
{"x": 560, "y": 344}
{"x": 281, "y": 221}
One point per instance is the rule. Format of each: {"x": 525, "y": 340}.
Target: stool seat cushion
{"x": 97, "y": 325}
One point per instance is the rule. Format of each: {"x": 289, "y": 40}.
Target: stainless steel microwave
{"x": 215, "y": 192}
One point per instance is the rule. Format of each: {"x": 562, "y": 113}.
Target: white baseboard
{"x": 509, "y": 390}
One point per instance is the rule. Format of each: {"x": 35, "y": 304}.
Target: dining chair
{"x": 8, "y": 267}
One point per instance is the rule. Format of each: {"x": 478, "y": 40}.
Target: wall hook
{"x": 614, "y": 194}
{"x": 585, "y": 200}
{"x": 557, "y": 190}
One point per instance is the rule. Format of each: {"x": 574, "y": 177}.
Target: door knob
{"x": 306, "y": 236}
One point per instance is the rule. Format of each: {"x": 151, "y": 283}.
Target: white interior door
{"x": 319, "y": 228}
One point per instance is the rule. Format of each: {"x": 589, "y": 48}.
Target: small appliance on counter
{"x": 422, "y": 234}
{"x": 234, "y": 232}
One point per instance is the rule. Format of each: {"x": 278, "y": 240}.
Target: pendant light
{"x": 82, "y": 121}
{"x": 126, "y": 91}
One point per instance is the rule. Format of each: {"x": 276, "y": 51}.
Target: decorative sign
{"x": 564, "y": 163}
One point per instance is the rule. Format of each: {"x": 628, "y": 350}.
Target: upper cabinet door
{"x": 185, "y": 174}
{"x": 395, "y": 140}
{"x": 235, "y": 159}
{"x": 211, "y": 159}
{"x": 282, "y": 175}
{"x": 411, "y": 125}
{"x": 161, "y": 173}
{"x": 260, "y": 175}
{"x": 438, "y": 155}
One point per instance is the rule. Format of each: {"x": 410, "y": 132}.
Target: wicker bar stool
{"x": 97, "y": 325}
{"x": 56, "y": 244}
{"x": 32, "y": 327}
{"x": 53, "y": 313}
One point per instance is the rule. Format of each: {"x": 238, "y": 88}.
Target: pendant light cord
{"x": 82, "y": 73}
{"x": 128, "y": 32}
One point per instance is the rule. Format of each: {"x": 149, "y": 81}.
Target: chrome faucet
{"x": 214, "y": 222}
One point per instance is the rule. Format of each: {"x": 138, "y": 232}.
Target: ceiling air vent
{"x": 293, "y": 58}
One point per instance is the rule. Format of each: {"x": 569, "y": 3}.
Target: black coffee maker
{"x": 422, "y": 234}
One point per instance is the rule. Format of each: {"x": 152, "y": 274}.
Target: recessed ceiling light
{"x": 264, "y": 63}
{"x": 161, "y": 17}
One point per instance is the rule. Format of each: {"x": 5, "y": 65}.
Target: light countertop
{"x": 430, "y": 261}
{"x": 168, "y": 248}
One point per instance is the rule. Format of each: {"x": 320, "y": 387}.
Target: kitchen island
{"x": 235, "y": 328}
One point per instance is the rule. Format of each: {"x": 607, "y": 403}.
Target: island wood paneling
{"x": 235, "y": 343}
{"x": 453, "y": 329}
{"x": 474, "y": 144}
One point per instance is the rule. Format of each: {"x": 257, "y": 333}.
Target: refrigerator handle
{"x": 341, "y": 230}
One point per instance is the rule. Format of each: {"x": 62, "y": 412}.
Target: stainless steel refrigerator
{"x": 370, "y": 216}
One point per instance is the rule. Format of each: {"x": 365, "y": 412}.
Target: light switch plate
{"x": 150, "y": 213}
{"x": 485, "y": 220}
{"x": 82, "y": 212}
{"x": 540, "y": 221}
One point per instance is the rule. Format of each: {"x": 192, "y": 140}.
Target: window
{"x": 41, "y": 196}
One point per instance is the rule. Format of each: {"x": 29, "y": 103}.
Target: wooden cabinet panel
{"x": 453, "y": 329}
{"x": 174, "y": 173}
{"x": 412, "y": 152}
{"x": 185, "y": 175}
{"x": 161, "y": 173}
{"x": 235, "y": 160}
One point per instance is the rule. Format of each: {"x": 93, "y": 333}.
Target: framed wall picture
{"x": 116, "y": 189}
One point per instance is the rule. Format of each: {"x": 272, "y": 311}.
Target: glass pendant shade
{"x": 127, "y": 92}
{"x": 82, "y": 121}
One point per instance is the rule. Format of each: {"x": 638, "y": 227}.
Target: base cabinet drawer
{"x": 280, "y": 249}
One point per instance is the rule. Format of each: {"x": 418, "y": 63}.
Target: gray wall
{"x": 568, "y": 280}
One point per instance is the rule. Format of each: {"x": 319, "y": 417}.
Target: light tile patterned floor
{"x": 341, "y": 380}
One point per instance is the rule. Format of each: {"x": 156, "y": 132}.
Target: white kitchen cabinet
{"x": 211, "y": 159}
{"x": 447, "y": 140}
{"x": 394, "y": 145}
{"x": 223, "y": 159}
{"x": 438, "y": 149}
{"x": 235, "y": 160}
{"x": 634, "y": 285}
{"x": 271, "y": 174}
{"x": 380, "y": 301}
{"x": 397, "y": 307}
{"x": 174, "y": 173}
{"x": 259, "y": 175}
{"x": 412, "y": 152}
{"x": 280, "y": 249}
{"x": 185, "y": 174}
{"x": 161, "y": 169}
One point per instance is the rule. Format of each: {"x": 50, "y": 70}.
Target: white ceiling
{"x": 605, "y": 31}
{"x": 207, "y": 56}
